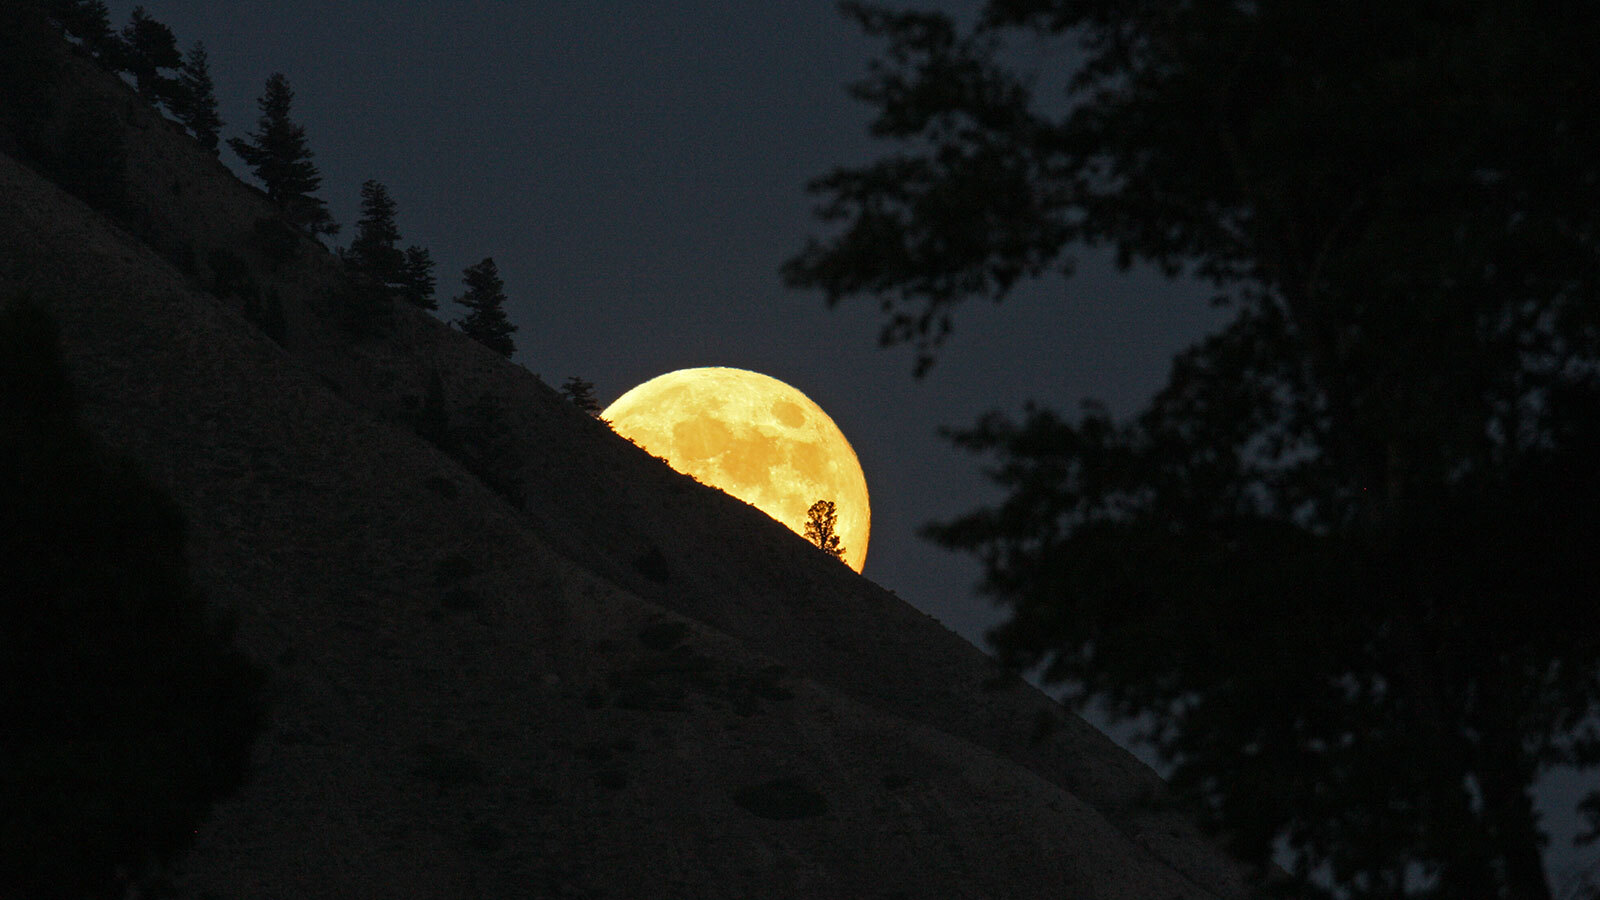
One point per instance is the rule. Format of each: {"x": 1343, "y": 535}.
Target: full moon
{"x": 753, "y": 437}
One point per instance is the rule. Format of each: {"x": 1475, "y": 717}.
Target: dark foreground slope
{"x": 601, "y": 679}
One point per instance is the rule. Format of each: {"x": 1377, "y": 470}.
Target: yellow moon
{"x": 755, "y": 438}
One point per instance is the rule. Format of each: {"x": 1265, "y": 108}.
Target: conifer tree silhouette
{"x": 376, "y": 258}
{"x": 485, "y": 300}
{"x": 373, "y": 253}
{"x": 821, "y": 521}
{"x": 278, "y": 155}
{"x": 196, "y": 100}
{"x": 90, "y": 22}
{"x": 417, "y": 278}
{"x": 149, "y": 47}
{"x": 581, "y": 393}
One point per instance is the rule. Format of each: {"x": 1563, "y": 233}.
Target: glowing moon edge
{"x": 753, "y": 437}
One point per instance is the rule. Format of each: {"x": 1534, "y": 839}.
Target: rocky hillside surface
{"x": 542, "y": 663}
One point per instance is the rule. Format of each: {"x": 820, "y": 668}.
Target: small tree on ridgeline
{"x": 373, "y": 253}
{"x": 581, "y": 393}
{"x": 821, "y": 521}
{"x": 196, "y": 102}
{"x": 485, "y": 301}
{"x": 90, "y": 22}
{"x": 150, "y": 47}
{"x": 387, "y": 273}
{"x": 417, "y": 281}
{"x": 278, "y": 155}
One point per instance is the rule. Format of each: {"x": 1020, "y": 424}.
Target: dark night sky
{"x": 637, "y": 170}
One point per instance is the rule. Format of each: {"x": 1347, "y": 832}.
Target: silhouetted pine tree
{"x": 90, "y": 22}
{"x": 418, "y": 278}
{"x": 278, "y": 155}
{"x": 581, "y": 393}
{"x": 375, "y": 257}
{"x": 373, "y": 253}
{"x": 821, "y": 520}
{"x": 149, "y": 46}
{"x": 196, "y": 101}
{"x": 82, "y": 19}
{"x": 485, "y": 299}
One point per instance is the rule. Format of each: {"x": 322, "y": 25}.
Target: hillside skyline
{"x": 507, "y": 650}
{"x": 641, "y": 246}
{"x": 639, "y": 208}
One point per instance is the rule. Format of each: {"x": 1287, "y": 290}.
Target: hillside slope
{"x": 601, "y": 679}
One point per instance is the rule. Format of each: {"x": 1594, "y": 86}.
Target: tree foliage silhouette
{"x": 149, "y": 47}
{"x": 373, "y": 253}
{"x": 90, "y": 22}
{"x": 196, "y": 104}
{"x": 127, "y": 710}
{"x": 581, "y": 394}
{"x": 1336, "y": 558}
{"x": 278, "y": 155}
{"x": 485, "y": 301}
{"x": 821, "y": 521}
{"x": 385, "y": 272}
{"x": 417, "y": 281}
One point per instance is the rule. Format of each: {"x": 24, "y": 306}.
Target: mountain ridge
{"x": 770, "y": 697}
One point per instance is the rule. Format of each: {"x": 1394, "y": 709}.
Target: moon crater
{"x": 788, "y": 413}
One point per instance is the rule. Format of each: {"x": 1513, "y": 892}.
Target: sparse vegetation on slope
{"x": 566, "y": 697}
{"x": 278, "y": 154}
{"x": 485, "y": 300}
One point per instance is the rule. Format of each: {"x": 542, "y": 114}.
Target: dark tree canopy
{"x": 1337, "y": 557}
{"x": 485, "y": 301}
{"x": 581, "y": 394}
{"x": 417, "y": 283}
{"x": 196, "y": 105}
{"x": 278, "y": 155}
{"x": 374, "y": 252}
{"x": 127, "y": 710}
{"x": 150, "y": 47}
{"x": 374, "y": 257}
{"x": 90, "y": 22}
{"x": 821, "y": 521}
